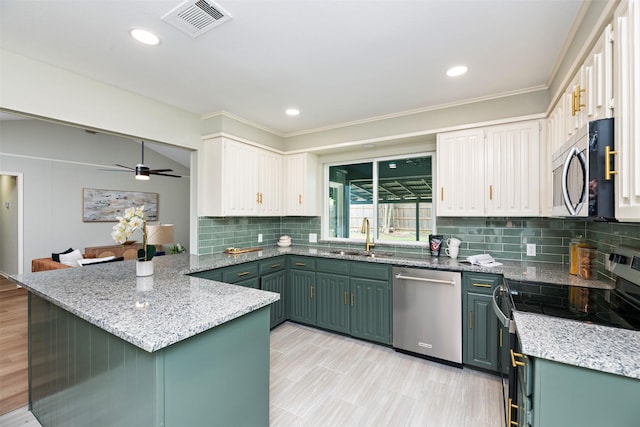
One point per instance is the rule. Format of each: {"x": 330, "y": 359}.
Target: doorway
{"x": 11, "y": 226}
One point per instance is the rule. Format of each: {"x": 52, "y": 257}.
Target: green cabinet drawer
{"x": 209, "y": 275}
{"x": 240, "y": 272}
{"x": 302, "y": 263}
{"x": 370, "y": 270}
{"x": 332, "y": 266}
{"x": 272, "y": 265}
{"x": 481, "y": 283}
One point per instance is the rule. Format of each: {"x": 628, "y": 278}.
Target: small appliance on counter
{"x": 284, "y": 241}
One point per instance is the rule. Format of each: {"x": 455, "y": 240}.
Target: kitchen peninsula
{"x": 107, "y": 348}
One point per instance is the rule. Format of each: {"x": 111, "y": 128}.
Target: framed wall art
{"x": 105, "y": 205}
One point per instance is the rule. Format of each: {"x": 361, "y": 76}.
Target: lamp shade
{"x": 159, "y": 234}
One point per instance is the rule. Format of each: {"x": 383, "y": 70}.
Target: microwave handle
{"x": 565, "y": 189}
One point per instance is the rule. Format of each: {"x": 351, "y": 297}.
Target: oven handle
{"x": 502, "y": 318}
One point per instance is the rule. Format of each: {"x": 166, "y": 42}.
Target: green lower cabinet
{"x": 250, "y": 283}
{"x": 301, "y": 298}
{"x": 276, "y": 282}
{"x": 482, "y": 332}
{"x": 332, "y": 302}
{"x": 371, "y": 310}
{"x": 566, "y": 395}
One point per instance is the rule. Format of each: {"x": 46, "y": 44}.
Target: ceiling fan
{"x": 143, "y": 171}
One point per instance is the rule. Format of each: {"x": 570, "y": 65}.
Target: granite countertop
{"x": 155, "y": 312}
{"x": 150, "y": 312}
{"x": 585, "y": 345}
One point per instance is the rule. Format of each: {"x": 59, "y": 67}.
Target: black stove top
{"x": 608, "y": 307}
{"x": 619, "y": 307}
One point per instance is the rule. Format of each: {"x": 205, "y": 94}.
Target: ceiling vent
{"x": 196, "y": 17}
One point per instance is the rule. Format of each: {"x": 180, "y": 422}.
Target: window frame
{"x": 374, "y": 221}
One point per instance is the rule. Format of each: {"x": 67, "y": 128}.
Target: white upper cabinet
{"x": 239, "y": 180}
{"x": 513, "y": 169}
{"x": 627, "y": 110}
{"x": 492, "y": 171}
{"x": 300, "y": 180}
{"x": 461, "y": 173}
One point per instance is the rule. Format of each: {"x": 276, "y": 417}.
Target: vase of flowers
{"x": 134, "y": 219}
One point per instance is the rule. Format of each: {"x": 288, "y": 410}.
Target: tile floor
{"x": 322, "y": 379}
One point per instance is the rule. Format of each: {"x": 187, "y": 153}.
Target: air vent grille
{"x": 196, "y": 17}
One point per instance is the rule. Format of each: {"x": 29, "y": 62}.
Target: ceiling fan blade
{"x": 126, "y": 167}
{"x": 160, "y": 170}
{"x": 165, "y": 174}
{"x": 114, "y": 170}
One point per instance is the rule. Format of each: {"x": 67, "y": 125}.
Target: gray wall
{"x": 58, "y": 161}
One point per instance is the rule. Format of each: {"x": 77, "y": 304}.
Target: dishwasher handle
{"x": 424, "y": 279}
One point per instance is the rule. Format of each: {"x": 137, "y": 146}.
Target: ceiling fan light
{"x": 142, "y": 172}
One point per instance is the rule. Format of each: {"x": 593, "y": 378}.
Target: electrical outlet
{"x": 260, "y": 238}
{"x": 313, "y": 238}
{"x": 531, "y": 249}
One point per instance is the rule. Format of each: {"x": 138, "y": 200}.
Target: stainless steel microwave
{"x": 582, "y": 173}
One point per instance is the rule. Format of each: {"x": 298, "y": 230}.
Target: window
{"x": 395, "y": 194}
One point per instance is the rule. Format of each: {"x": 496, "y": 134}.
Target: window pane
{"x": 350, "y": 199}
{"x": 405, "y": 199}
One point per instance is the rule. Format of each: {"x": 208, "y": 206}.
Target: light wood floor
{"x": 322, "y": 379}
{"x": 13, "y": 346}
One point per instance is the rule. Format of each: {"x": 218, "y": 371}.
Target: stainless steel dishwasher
{"x": 427, "y": 313}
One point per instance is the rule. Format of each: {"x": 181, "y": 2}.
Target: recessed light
{"x": 292, "y": 112}
{"x": 144, "y": 36}
{"x": 456, "y": 71}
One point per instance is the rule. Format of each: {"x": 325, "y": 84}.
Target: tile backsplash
{"x": 504, "y": 238}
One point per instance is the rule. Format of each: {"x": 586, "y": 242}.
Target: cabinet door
{"x": 250, "y": 283}
{"x": 371, "y": 310}
{"x": 332, "y": 304}
{"x": 597, "y": 79}
{"x": 269, "y": 186}
{"x": 241, "y": 166}
{"x": 482, "y": 332}
{"x": 627, "y": 110}
{"x": 300, "y": 185}
{"x": 276, "y": 282}
{"x": 513, "y": 179}
{"x": 301, "y": 298}
{"x": 461, "y": 173}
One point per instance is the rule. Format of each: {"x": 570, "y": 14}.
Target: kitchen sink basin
{"x": 363, "y": 253}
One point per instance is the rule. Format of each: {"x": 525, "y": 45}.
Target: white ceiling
{"x": 337, "y": 61}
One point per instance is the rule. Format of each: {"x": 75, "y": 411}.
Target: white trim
{"x": 244, "y": 141}
{"x": 20, "y": 185}
{"x": 242, "y": 120}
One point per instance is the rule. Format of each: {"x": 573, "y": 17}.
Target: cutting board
{"x": 236, "y": 251}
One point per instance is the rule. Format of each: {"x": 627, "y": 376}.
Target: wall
{"x": 8, "y": 225}
{"x": 58, "y": 161}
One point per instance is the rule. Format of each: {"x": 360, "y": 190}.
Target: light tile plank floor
{"x": 322, "y": 379}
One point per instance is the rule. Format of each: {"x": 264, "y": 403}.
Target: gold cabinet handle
{"x": 441, "y": 194}
{"x": 301, "y": 264}
{"x": 258, "y": 197}
{"x": 573, "y": 103}
{"x": 608, "y": 152}
{"x": 491, "y": 192}
{"x": 481, "y": 285}
{"x": 244, "y": 273}
{"x": 299, "y": 199}
{"x": 515, "y": 363}
{"x": 352, "y": 300}
{"x": 311, "y": 292}
{"x": 510, "y": 408}
{"x": 576, "y": 101}
{"x": 345, "y": 297}
{"x": 275, "y": 265}
{"x": 470, "y": 319}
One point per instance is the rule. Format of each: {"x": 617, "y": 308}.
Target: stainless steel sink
{"x": 363, "y": 253}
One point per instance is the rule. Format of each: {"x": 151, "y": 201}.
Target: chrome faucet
{"x": 366, "y": 228}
